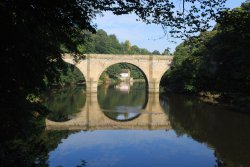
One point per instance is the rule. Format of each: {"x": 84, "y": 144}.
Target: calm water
{"x": 122, "y": 125}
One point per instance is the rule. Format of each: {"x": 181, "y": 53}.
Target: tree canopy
{"x": 102, "y": 43}
{"x": 216, "y": 61}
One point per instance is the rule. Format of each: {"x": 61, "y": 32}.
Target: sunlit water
{"x": 122, "y": 125}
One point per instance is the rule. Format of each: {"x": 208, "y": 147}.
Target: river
{"x": 123, "y": 125}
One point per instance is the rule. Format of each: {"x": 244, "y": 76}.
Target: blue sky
{"x": 151, "y": 37}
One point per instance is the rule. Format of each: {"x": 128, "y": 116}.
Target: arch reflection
{"x": 123, "y": 101}
{"x": 148, "y": 115}
{"x": 64, "y": 103}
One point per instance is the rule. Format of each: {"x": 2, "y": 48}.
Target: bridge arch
{"x": 121, "y": 112}
{"x": 124, "y": 62}
{"x": 94, "y": 64}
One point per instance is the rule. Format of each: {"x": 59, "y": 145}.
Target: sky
{"x": 151, "y": 37}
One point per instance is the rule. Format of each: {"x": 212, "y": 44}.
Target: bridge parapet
{"x": 125, "y": 56}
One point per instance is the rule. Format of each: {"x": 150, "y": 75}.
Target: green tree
{"x": 126, "y": 46}
{"x": 156, "y": 52}
{"x": 135, "y": 49}
{"x": 101, "y": 42}
{"x": 144, "y": 51}
{"x": 166, "y": 51}
{"x": 216, "y": 61}
{"x": 114, "y": 45}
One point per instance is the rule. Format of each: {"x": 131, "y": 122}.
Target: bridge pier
{"x": 91, "y": 86}
{"x": 153, "y": 87}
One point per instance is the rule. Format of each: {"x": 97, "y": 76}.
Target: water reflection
{"x": 124, "y": 86}
{"x": 227, "y": 132}
{"x": 64, "y": 103}
{"x": 202, "y": 135}
{"x": 120, "y": 103}
{"x": 113, "y": 110}
{"x": 199, "y": 134}
{"x": 122, "y": 113}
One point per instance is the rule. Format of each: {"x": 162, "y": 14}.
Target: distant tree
{"x": 101, "y": 42}
{"x": 135, "y": 49}
{"x": 126, "y": 46}
{"x": 144, "y": 51}
{"x": 156, "y": 52}
{"x": 166, "y": 51}
{"x": 114, "y": 45}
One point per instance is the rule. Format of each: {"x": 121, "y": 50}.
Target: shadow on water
{"x": 228, "y": 133}
{"x": 24, "y": 140}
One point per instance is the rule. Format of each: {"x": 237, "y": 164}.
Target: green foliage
{"x": 102, "y": 43}
{"x": 216, "y": 61}
{"x": 71, "y": 75}
{"x": 68, "y": 75}
{"x": 114, "y": 70}
{"x": 236, "y": 20}
{"x": 167, "y": 51}
{"x": 191, "y": 65}
{"x": 156, "y": 52}
{"x": 63, "y": 103}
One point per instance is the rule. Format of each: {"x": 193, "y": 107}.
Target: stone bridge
{"x": 93, "y": 65}
{"x": 91, "y": 117}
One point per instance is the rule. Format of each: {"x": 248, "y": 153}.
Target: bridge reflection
{"x": 124, "y": 86}
{"x": 92, "y": 117}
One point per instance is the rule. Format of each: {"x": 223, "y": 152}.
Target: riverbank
{"x": 234, "y": 102}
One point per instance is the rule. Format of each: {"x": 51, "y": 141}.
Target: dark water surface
{"x": 122, "y": 125}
